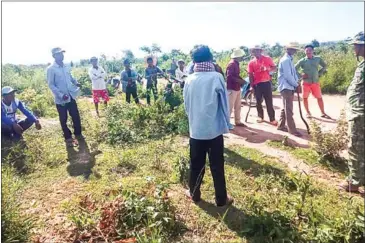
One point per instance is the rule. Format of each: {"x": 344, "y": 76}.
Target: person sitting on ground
{"x": 151, "y": 73}
{"x": 309, "y": 65}
{"x": 355, "y": 114}
{"x": 129, "y": 78}
{"x": 234, "y": 82}
{"x": 181, "y": 73}
{"x": 97, "y": 75}
{"x": 206, "y": 105}
{"x": 259, "y": 70}
{"x": 288, "y": 83}
{"x": 11, "y": 127}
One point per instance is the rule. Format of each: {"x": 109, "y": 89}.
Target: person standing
{"x": 259, "y": 70}
{"x": 129, "y": 78}
{"x": 309, "y": 66}
{"x": 65, "y": 90}
{"x": 151, "y": 73}
{"x": 356, "y": 119}
{"x": 97, "y": 75}
{"x": 181, "y": 73}
{"x": 173, "y": 67}
{"x": 11, "y": 127}
{"x": 234, "y": 82}
{"x": 288, "y": 83}
{"x": 206, "y": 105}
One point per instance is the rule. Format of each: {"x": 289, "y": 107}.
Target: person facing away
{"x": 287, "y": 84}
{"x": 206, "y": 105}
{"x": 151, "y": 73}
{"x": 234, "y": 82}
{"x": 97, "y": 75}
{"x": 355, "y": 114}
{"x": 309, "y": 65}
{"x": 65, "y": 90}
{"x": 129, "y": 79}
{"x": 181, "y": 73}
{"x": 11, "y": 126}
{"x": 259, "y": 70}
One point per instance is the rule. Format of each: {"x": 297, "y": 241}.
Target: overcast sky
{"x": 83, "y": 29}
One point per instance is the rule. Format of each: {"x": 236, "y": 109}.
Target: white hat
{"x": 7, "y": 90}
{"x": 237, "y": 53}
{"x": 293, "y": 45}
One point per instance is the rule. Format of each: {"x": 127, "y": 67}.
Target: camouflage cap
{"x": 358, "y": 39}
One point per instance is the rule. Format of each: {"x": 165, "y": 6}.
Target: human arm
{"x": 186, "y": 100}
{"x": 285, "y": 67}
{"x": 6, "y": 120}
{"x": 102, "y": 73}
{"x": 52, "y": 85}
{"x": 223, "y": 99}
{"x": 324, "y": 67}
{"x": 299, "y": 67}
{"x": 233, "y": 73}
{"x": 26, "y": 112}
{"x": 272, "y": 66}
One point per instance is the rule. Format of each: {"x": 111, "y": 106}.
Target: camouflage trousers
{"x": 356, "y": 151}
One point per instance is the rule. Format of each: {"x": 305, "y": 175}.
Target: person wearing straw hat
{"x": 234, "y": 82}
{"x": 65, "y": 90}
{"x": 356, "y": 118}
{"x": 309, "y": 65}
{"x": 11, "y": 127}
{"x": 97, "y": 75}
{"x": 288, "y": 82}
{"x": 259, "y": 70}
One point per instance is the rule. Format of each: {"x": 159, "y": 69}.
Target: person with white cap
{"x": 259, "y": 70}
{"x": 11, "y": 127}
{"x": 288, "y": 82}
{"x": 181, "y": 72}
{"x": 65, "y": 90}
{"x": 97, "y": 75}
{"x": 234, "y": 82}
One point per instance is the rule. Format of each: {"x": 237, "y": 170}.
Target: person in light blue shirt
{"x": 206, "y": 105}
{"x": 287, "y": 84}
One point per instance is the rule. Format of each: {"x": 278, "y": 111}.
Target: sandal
{"x": 309, "y": 116}
{"x": 260, "y": 120}
{"x": 229, "y": 201}
{"x": 326, "y": 116}
{"x": 71, "y": 142}
{"x": 240, "y": 124}
{"x": 274, "y": 123}
{"x": 190, "y": 197}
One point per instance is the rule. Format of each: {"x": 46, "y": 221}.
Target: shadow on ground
{"x": 82, "y": 161}
{"x": 255, "y": 228}
{"x": 253, "y": 135}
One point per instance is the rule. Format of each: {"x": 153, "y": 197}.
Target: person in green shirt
{"x": 355, "y": 114}
{"x": 309, "y": 66}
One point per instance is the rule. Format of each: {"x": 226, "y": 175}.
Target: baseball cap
{"x": 7, "y": 90}
{"x": 57, "y": 50}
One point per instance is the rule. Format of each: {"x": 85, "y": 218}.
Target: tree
{"x": 128, "y": 54}
{"x": 315, "y": 43}
{"x": 155, "y": 48}
{"x": 146, "y": 49}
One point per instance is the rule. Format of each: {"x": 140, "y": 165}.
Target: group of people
{"x": 210, "y": 96}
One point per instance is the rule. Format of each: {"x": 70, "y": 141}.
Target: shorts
{"x": 100, "y": 93}
{"x": 313, "y": 88}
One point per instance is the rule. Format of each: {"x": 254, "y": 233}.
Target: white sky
{"x": 30, "y": 30}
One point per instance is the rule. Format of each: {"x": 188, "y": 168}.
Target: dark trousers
{"x": 286, "y": 115}
{"x": 264, "y": 91}
{"x": 8, "y": 131}
{"x": 131, "y": 91}
{"x": 72, "y": 109}
{"x": 198, "y": 152}
{"x": 151, "y": 87}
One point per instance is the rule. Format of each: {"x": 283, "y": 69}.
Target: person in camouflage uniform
{"x": 355, "y": 117}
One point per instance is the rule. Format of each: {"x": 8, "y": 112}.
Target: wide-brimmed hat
{"x": 237, "y": 53}
{"x": 257, "y": 47}
{"x": 359, "y": 39}
{"x": 293, "y": 45}
{"x": 181, "y": 60}
{"x": 7, "y": 90}
{"x": 57, "y": 50}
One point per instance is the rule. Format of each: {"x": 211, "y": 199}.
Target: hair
{"x": 126, "y": 61}
{"x": 309, "y": 45}
{"x": 202, "y": 54}
{"x": 149, "y": 59}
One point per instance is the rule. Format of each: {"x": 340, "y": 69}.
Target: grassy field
{"x": 133, "y": 192}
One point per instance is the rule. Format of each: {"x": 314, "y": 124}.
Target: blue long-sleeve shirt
{"x": 8, "y": 113}
{"x": 206, "y": 104}
{"x": 287, "y": 76}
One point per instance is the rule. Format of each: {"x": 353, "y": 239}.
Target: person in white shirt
{"x": 97, "y": 75}
{"x": 181, "y": 73}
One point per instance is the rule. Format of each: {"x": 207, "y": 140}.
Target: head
{"x": 291, "y": 51}
{"x": 292, "y": 48}
{"x": 127, "y": 64}
{"x": 150, "y": 61}
{"x": 94, "y": 61}
{"x": 58, "y": 55}
{"x": 202, "y": 54}
{"x": 309, "y": 50}
{"x": 181, "y": 64}
{"x": 359, "y": 45}
{"x": 257, "y": 52}
{"x": 8, "y": 94}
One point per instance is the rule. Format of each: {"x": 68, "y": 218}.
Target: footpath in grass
{"x": 134, "y": 193}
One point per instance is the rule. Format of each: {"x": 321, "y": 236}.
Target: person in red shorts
{"x": 259, "y": 70}
{"x": 309, "y": 65}
{"x": 97, "y": 75}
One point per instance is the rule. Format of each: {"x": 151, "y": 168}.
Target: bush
{"x": 41, "y": 103}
